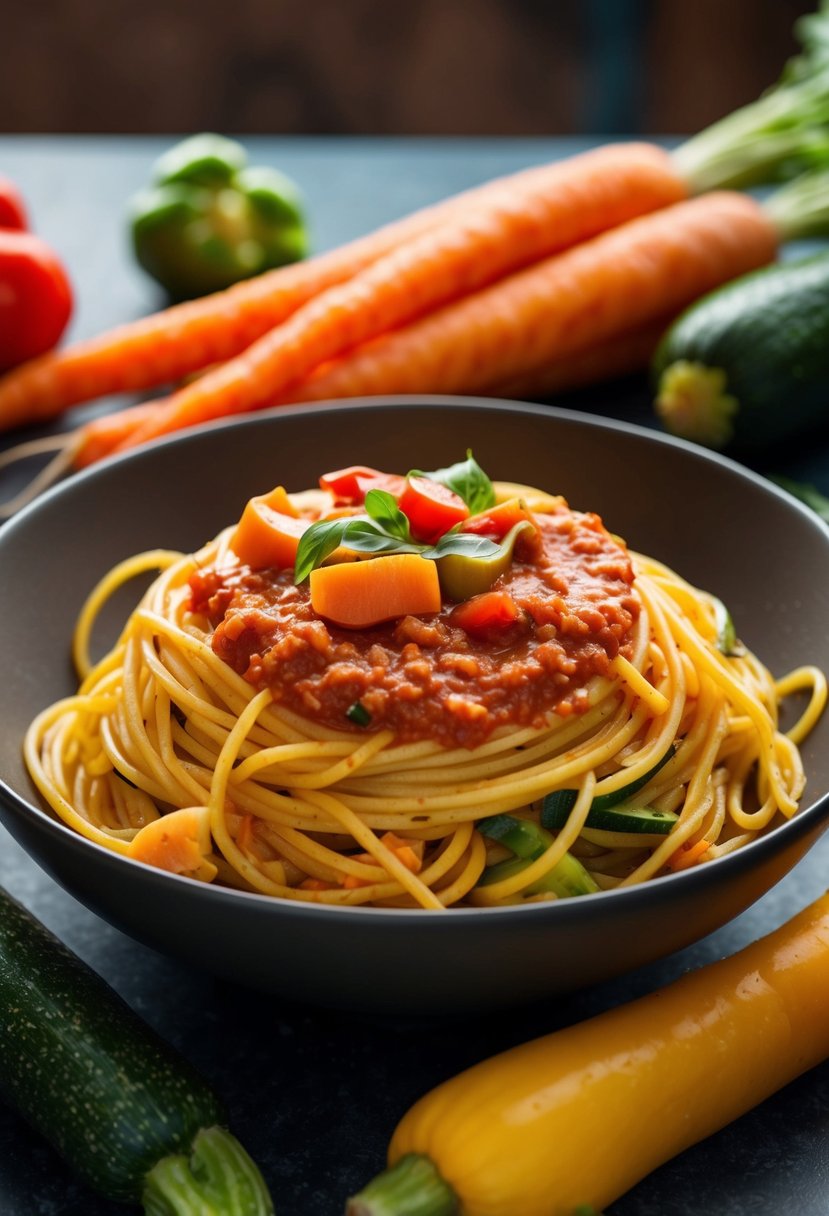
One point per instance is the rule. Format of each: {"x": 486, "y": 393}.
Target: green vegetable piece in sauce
{"x": 463, "y": 575}
{"x": 727, "y": 641}
{"x": 358, "y": 714}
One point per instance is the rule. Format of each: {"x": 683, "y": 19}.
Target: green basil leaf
{"x": 468, "y": 480}
{"x": 316, "y": 543}
{"x": 463, "y": 544}
{"x": 383, "y": 509}
{"x": 365, "y": 536}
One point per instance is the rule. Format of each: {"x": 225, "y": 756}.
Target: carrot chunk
{"x": 687, "y": 855}
{"x": 268, "y": 533}
{"x": 358, "y": 594}
{"x": 179, "y": 842}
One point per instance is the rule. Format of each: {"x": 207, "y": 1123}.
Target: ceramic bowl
{"x": 720, "y": 526}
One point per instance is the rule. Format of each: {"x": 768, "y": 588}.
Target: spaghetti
{"x": 666, "y": 753}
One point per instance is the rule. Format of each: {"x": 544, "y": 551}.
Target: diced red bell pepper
{"x": 431, "y": 508}
{"x": 12, "y": 207}
{"x": 35, "y": 297}
{"x": 350, "y": 486}
{"x": 483, "y": 615}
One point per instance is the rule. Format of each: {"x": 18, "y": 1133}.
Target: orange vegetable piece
{"x": 268, "y": 533}
{"x": 498, "y": 521}
{"x": 687, "y": 855}
{"x": 179, "y": 842}
{"x": 487, "y": 613}
{"x": 359, "y": 594}
{"x": 431, "y": 508}
{"x": 350, "y": 486}
{"x": 409, "y": 852}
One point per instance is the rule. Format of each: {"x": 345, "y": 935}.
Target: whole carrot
{"x": 566, "y": 304}
{"x": 748, "y": 147}
{"x": 571, "y": 202}
{"x": 168, "y": 345}
{"x": 562, "y": 307}
{"x": 629, "y": 352}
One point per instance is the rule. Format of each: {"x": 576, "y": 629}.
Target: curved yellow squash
{"x": 579, "y": 1116}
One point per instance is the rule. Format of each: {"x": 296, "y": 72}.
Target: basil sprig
{"x": 384, "y": 529}
{"x": 468, "y": 480}
{"x": 383, "y": 509}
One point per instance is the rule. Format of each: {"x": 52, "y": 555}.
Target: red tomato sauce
{"x": 425, "y": 677}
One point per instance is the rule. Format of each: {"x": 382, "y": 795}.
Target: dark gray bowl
{"x": 717, "y": 524}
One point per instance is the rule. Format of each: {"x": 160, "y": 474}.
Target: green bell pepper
{"x": 208, "y": 220}
{"x": 462, "y": 576}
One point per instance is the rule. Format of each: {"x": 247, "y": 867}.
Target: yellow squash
{"x": 579, "y": 1116}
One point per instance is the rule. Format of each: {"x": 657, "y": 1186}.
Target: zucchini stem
{"x": 411, "y": 1187}
{"x": 217, "y": 1179}
{"x": 693, "y": 403}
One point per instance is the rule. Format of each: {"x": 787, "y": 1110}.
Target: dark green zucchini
{"x": 557, "y": 806}
{"x": 127, "y": 1113}
{"x": 748, "y": 365}
{"x": 528, "y": 841}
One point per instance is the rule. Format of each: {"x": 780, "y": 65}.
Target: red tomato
{"x": 35, "y": 297}
{"x": 483, "y": 615}
{"x": 350, "y": 486}
{"x": 431, "y": 508}
{"x": 12, "y": 208}
{"x": 498, "y": 521}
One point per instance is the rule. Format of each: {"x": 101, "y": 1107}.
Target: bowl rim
{"x": 766, "y": 845}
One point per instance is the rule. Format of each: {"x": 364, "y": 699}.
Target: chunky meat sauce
{"x": 424, "y": 677}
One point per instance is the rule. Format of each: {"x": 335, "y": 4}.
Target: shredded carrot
{"x": 410, "y": 853}
{"x": 244, "y": 836}
{"x": 687, "y": 855}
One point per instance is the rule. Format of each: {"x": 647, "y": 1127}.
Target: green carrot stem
{"x": 801, "y": 209}
{"x": 783, "y": 133}
{"x": 217, "y": 1179}
{"x": 412, "y": 1187}
{"x": 780, "y": 134}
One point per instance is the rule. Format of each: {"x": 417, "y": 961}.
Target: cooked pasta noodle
{"x": 165, "y": 734}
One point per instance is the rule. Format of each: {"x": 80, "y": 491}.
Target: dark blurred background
{"x": 386, "y": 67}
